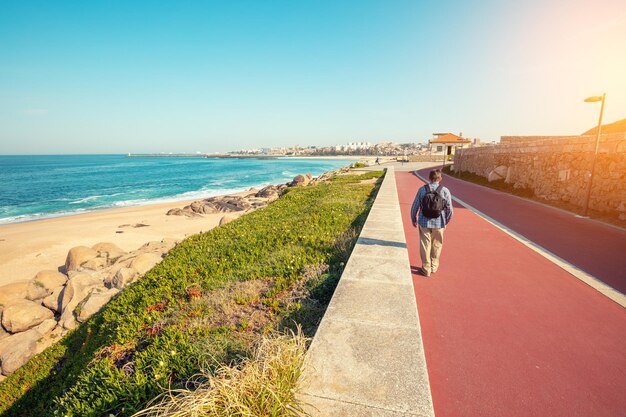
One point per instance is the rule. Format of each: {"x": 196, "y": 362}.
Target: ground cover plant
{"x": 203, "y": 307}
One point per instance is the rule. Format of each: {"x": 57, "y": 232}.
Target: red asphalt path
{"x": 507, "y": 332}
{"x": 594, "y": 247}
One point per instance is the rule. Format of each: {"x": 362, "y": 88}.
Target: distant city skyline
{"x": 153, "y": 76}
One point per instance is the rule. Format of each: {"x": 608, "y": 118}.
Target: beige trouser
{"x": 431, "y": 242}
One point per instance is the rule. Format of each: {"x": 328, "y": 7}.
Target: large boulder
{"x": 3, "y": 333}
{"x": 94, "y": 302}
{"x": 108, "y": 250}
{"x": 36, "y": 291}
{"x": 22, "y": 315}
{"x": 145, "y": 262}
{"x": 77, "y": 289}
{"x": 95, "y": 263}
{"x": 12, "y": 292}
{"x": 156, "y": 246}
{"x": 44, "y": 284}
{"x": 300, "y": 181}
{"x": 269, "y": 192}
{"x": 182, "y": 212}
{"x": 77, "y": 256}
{"x": 55, "y": 300}
{"x": 493, "y": 176}
{"x": 501, "y": 170}
{"x": 17, "y": 349}
{"x": 123, "y": 277}
{"x": 226, "y": 219}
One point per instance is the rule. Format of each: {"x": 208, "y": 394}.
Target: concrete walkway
{"x": 367, "y": 357}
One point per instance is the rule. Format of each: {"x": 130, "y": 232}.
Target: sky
{"x": 213, "y": 76}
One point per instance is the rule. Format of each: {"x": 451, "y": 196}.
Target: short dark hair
{"x": 435, "y": 175}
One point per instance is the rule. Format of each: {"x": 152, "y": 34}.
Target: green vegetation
{"x": 359, "y": 165}
{"x": 203, "y": 307}
{"x": 262, "y": 385}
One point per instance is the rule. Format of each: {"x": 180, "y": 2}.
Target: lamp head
{"x": 593, "y": 99}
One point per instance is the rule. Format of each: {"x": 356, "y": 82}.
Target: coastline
{"x": 32, "y": 246}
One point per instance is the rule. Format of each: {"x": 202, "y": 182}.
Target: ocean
{"x": 40, "y": 186}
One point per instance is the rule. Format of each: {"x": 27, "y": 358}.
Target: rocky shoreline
{"x": 37, "y": 313}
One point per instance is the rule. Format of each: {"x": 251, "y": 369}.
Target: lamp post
{"x": 594, "y": 99}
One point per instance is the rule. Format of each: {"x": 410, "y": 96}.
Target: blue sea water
{"x": 40, "y": 186}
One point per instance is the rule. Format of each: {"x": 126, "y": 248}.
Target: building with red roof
{"x": 447, "y": 143}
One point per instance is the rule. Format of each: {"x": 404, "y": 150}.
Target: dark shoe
{"x": 424, "y": 272}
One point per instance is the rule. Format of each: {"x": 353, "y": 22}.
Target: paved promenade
{"x": 507, "y": 332}
{"x": 504, "y": 329}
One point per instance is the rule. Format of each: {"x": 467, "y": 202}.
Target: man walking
{"x": 434, "y": 203}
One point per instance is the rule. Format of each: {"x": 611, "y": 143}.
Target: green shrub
{"x": 160, "y": 330}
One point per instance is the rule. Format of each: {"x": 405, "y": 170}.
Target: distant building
{"x": 447, "y": 143}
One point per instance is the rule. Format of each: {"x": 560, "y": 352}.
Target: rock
{"x": 95, "y": 264}
{"x": 300, "y": 181}
{"x": 77, "y": 256}
{"x": 509, "y": 175}
{"x": 226, "y": 219}
{"x": 182, "y": 212}
{"x": 44, "y": 284}
{"x": 145, "y": 262}
{"x": 55, "y": 300}
{"x": 17, "y": 349}
{"x": 77, "y": 289}
{"x": 108, "y": 250}
{"x": 36, "y": 291}
{"x": 271, "y": 192}
{"x": 123, "y": 277}
{"x": 12, "y": 292}
{"x": 94, "y": 302}
{"x": 3, "y": 333}
{"x": 22, "y": 315}
{"x": 50, "y": 279}
{"x": 493, "y": 176}
{"x": 501, "y": 170}
{"x": 155, "y": 246}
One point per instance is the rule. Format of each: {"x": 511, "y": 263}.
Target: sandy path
{"x": 27, "y": 248}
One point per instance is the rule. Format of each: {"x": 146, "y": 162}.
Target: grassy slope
{"x": 278, "y": 264}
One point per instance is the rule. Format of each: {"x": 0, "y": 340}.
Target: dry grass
{"x": 263, "y": 385}
{"x": 236, "y": 306}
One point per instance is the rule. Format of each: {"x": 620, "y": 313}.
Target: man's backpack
{"x": 432, "y": 203}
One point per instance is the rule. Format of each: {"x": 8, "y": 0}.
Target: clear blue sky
{"x": 151, "y": 76}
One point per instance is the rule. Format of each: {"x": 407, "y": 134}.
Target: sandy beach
{"x": 29, "y": 247}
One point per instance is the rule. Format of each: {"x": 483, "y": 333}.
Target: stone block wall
{"x": 425, "y": 158}
{"x": 557, "y": 168}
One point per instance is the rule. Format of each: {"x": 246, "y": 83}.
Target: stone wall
{"x": 557, "y": 168}
{"x": 425, "y": 158}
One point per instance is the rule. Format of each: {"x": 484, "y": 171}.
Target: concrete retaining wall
{"x": 367, "y": 357}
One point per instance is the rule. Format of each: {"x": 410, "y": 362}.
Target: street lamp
{"x": 594, "y": 99}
